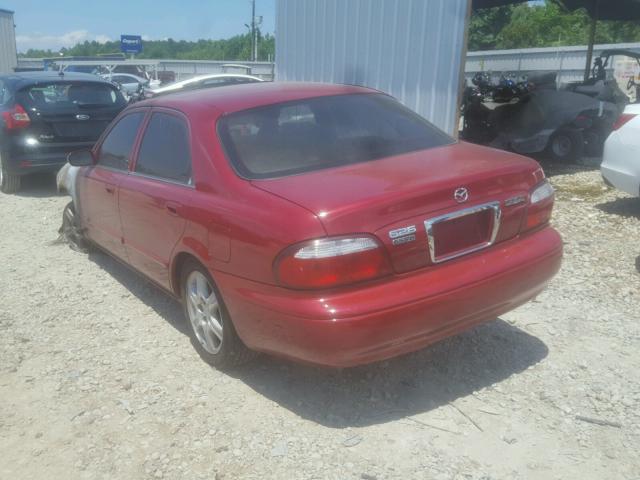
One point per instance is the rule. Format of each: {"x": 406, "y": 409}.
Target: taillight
{"x": 540, "y": 205}
{"x": 583, "y": 121}
{"x": 622, "y": 119}
{"x": 330, "y": 262}
{"x": 16, "y": 118}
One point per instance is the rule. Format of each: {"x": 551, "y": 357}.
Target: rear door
{"x": 67, "y": 116}
{"x": 98, "y": 186}
{"x": 153, "y": 198}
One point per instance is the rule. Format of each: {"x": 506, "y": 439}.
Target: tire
{"x": 566, "y": 145}
{"x": 593, "y": 143}
{"x": 207, "y": 314}
{"x": 8, "y": 183}
{"x": 71, "y": 230}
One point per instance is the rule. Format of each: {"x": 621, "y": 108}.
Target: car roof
{"x": 23, "y": 79}
{"x": 233, "y": 98}
{"x": 122, "y": 74}
{"x": 181, "y": 83}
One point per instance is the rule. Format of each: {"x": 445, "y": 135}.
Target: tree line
{"x": 234, "y": 48}
{"x": 545, "y": 24}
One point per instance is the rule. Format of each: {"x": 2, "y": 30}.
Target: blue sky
{"x": 46, "y": 24}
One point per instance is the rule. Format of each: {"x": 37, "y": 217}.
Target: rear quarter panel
{"x": 232, "y": 226}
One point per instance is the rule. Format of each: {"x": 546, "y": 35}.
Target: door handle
{"x": 110, "y": 189}
{"x": 173, "y": 208}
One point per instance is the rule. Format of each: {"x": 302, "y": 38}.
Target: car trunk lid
{"x": 396, "y": 198}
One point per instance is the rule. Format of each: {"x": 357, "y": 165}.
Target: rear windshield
{"x": 56, "y": 95}
{"x": 323, "y": 132}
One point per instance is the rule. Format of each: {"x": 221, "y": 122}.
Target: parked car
{"x": 621, "y": 161}
{"x": 45, "y": 115}
{"x": 130, "y": 84}
{"x": 322, "y": 223}
{"x": 203, "y": 81}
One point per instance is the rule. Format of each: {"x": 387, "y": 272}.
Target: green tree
{"x": 542, "y": 25}
{"x": 486, "y": 25}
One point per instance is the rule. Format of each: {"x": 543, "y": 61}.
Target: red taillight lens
{"x": 330, "y": 262}
{"x": 540, "y": 205}
{"x": 622, "y": 119}
{"x": 583, "y": 121}
{"x": 16, "y": 118}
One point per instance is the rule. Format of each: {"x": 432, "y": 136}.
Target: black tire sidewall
{"x": 577, "y": 145}
{"x": 72, "y": 230}
{"x": 10, "y": 183}
{"x": 232, "y": 351}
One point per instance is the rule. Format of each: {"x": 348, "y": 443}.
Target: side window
{"x": 165, "y": 152}
{"x": 115, "y": 151}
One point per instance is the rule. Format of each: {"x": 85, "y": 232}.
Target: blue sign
{"x": 131, "y": 43}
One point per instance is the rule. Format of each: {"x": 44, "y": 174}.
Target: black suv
{"x": 46, "y": 115}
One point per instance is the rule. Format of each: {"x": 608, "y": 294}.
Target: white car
{"x": 621, "y": 161}
{"x": 203, "y": 81}
{"x": 128, "y": 82}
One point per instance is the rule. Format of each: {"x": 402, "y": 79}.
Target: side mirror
{"x": 81, "y": 158}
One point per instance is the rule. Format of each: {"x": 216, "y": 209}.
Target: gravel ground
{"x": 98, "y": 378}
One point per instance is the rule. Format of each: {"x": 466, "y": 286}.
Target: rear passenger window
{"x": 165, "y": 152}
{"x": 115, "y": 151}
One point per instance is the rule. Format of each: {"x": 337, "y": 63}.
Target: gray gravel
{"x": 98, "y": 379}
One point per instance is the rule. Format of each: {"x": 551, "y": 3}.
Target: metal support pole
{"x": 254, "y": 39}
{"x": 592, "y": 40}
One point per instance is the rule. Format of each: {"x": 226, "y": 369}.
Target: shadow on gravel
{"x": 143, "y": 289}
{"x": 638, "y": 263}
{"x": 552, "y": 168}
{"x": 398, "y": 388}
{"x": 371, "y": 394}
{"x": 628, "y": 207}
{"x": 38, "y": 186}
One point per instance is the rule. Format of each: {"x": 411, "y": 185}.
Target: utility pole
{"x": 254, "y": 36}
{"x": 255, "y": 21}
{"x": 592, "y": 40}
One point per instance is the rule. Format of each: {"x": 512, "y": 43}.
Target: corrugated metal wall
{"x": 409, "y": 48}
{"x": 7, "y": 42}
{"x": 569, "y": 62}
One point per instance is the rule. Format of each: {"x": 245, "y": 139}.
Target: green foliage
{"x": 234, "y": 48}
{"x": 486, "y": 25}
{"x": 542, "y": 25}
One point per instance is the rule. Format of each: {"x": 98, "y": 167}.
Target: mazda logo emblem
{"x": 461, "y": 195}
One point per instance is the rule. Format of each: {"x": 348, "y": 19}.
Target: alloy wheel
{"x": 204, "y": 312}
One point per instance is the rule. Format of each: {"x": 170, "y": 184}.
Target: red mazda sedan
{"x": 322, "y": 223}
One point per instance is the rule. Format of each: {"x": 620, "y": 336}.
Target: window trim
{"x": 145, "y": 126}
{"x": 98, "y": 146}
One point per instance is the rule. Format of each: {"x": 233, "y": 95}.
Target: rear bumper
{"x": 620, "y": 165}
{"x": 35, "y": 163}
{"x": 23, "y": 161}
{"x": 395, "y": 316}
